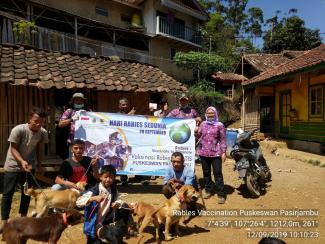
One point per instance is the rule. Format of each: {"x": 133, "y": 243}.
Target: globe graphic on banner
{"x": 180, "y": 133}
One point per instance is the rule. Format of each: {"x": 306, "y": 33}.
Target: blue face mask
{"x": 78, "y": 106}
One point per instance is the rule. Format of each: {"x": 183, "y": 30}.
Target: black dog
{"x": 116, "y": 225}
{"x": 271, "y": 240}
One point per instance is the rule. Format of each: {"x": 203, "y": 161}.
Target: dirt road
{"x": 295, "y": 185}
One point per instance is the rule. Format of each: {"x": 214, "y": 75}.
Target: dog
{"x": 168, "y": 214}
{"x": 144, "y": 212}
{"x": 64, "y": 199}
{"x": 271, "y": 240}
{"x": 45, "y": 229}
{"x": 120, "y": 223}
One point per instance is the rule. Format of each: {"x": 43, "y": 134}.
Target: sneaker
{"x": 206, "y": 195}
{"x": 221, "y": 200}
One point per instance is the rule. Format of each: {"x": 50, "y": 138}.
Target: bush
{"x": 203, "y": 96}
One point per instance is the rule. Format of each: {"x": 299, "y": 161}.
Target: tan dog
{"x": 168, "y": 214}
{"x": 64, "y": 199}
{"x": 145, "y": 212}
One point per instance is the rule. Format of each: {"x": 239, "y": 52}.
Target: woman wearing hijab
{"x": 212, "y": 151}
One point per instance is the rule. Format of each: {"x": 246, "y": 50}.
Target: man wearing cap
{"x": 184, "y": 111}
{"x": 69, "y": 116}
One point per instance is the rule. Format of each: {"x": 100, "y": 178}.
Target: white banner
{"x": 136, "y": 145}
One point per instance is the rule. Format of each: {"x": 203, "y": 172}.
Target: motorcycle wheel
{"x": 252, "y": 185}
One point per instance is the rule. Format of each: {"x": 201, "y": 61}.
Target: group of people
{"x": 24, "y": 157}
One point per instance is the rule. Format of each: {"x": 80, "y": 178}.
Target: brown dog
{"x": 64, "y": 199}
{"x": 45, "y": 229}
{"x": 169, "y": 214}
{"x": 144, "y": 212}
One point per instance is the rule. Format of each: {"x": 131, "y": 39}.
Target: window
{"x": 101, "y": 11}
{"x": 126, "y": 18}
{"x": 316, "y": 103}
{"x": 229, "y": 93}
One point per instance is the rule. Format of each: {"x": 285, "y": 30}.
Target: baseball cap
{"x": 78, "y": 94}
{"x": 184, "y": 96}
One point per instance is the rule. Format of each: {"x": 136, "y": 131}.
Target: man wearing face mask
{"x": 71, "y": 115}
{"x": 184, "y": 111}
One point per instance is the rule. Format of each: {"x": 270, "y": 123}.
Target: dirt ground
{"x": 296, "y": 184}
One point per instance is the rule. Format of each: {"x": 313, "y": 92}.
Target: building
{"x": 228, "y": 83}
{"x": 148, "y": 31}
{"x": 32, "y": 77}
{"x": 295, "y": 91}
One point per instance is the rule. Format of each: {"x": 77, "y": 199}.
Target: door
{"x": 266, "y": 113}
{"x": 285, "y": 106}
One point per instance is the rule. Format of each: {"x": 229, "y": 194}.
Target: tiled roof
{"x": 46, "y": 69}
{"x": 292, "y": 53}
{"x": 228, "y": 76}
{"x": 263, "y": 61}
{"x": 308, "y": 59}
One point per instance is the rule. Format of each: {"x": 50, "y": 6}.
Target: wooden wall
{"x": 17, "y": 101}
{"x": 109, "y": 101}
{"x": 15, "y": 104}
{"x": 250, "y": 111}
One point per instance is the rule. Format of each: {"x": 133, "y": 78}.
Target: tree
{"x": 202, "y": 64}
{"x": 229, "y": 25}
{"x": 290, "y": 34}
{"x": 253, "y": 23}
{"x": 234, "y": 12}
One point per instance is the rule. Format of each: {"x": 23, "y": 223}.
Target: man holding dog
{"x": 23, "y": 157}
{"x": 177, "y": 175}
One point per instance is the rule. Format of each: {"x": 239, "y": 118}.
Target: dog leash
{"x": 36, "y": 182}
{"x": 86, "y": 171}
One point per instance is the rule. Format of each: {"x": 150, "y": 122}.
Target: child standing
{"x": 103, "y": 208}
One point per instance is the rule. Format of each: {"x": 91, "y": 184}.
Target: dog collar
{"x": 65, "y": 220}
{"x": 180, "y": 198}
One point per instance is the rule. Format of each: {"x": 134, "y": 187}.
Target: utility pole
{"x": 243, "y": 91}
{"x": 241, "y": 51}
{"x": 210, "y": 41}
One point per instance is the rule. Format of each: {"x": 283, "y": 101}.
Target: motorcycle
{"x": 250, "y": 163}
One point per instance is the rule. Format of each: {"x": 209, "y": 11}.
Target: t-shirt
{"x": 75, "y": 171}
{"x": 186, "y": 175}
{"x": 26, "y": 141}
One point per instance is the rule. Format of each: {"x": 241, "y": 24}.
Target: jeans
{"x": 10, "y": 181}
{"x": 216, "y": 164}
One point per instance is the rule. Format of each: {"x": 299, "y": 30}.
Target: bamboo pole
{"x": 2, "y": 122}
